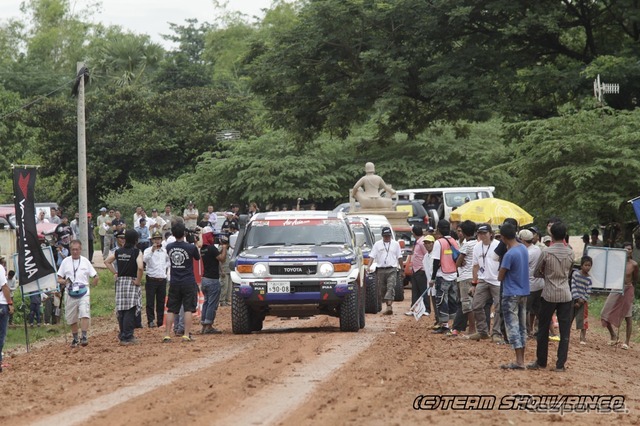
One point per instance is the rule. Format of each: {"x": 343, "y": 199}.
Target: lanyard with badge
{"x": 484, "y": 256}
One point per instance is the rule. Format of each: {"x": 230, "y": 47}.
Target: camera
{"x": 221, "y": 238}
{"x": 192, "y": 234}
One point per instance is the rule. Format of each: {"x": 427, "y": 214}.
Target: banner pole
{"x": 24, "y": 320}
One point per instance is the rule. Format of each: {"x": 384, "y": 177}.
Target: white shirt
{"x": 487, "y": 261}
{"x": 465, "y": 272}
{"x": 386, "y": 254}
{"x": 77, "y": 270}
{"x": 3, "y": 282}
{"x": 427, "y": 264}
{"x": 157, "y": 262}
{"x": 535, "y": 252}
{"x": 151, "y": 221}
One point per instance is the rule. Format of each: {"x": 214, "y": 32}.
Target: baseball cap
{"x": 386, "y": 231}
{"x": 429, "y": 238}
{"x": 484, "y": 228}
{"x": 154, "y": 210}
{"x": 119, "y": 234}
{"x": 546, "y": 238}
{"x": 104, "y": 209}
{"x": 526, "y": 235}
{"x": 156, "y": 234}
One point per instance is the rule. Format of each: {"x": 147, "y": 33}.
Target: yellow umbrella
{"x": 491, "y": 210}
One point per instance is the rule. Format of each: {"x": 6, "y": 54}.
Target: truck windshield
{"x": 265, "y": 233}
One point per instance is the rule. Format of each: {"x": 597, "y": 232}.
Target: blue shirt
{"x": 182, "y": 254}
{"x": 516, "y": 280}
{"x": 143, "y": 234}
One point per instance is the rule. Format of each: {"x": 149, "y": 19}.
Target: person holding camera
{"x": 211, "y": 258}
{"x": 75, "y": 273}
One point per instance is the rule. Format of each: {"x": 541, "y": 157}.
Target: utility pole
{"x": 83, "y": 224}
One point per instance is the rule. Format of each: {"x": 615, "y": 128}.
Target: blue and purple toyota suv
{"x": 297, "y": 264}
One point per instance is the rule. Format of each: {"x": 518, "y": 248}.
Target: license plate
{"x": 278, "y": 287}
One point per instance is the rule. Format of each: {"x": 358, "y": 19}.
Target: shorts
{"x": 76, "y": 308}
{"x": 533, "y": 302}
{"x": 465, "y": 299}
{"x": 581, "y": 314}
{"x": 182, "y": 295}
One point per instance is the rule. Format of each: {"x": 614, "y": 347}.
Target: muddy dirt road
{"x": 301, "y": 372}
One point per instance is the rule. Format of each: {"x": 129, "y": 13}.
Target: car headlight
{"x": 260, "y": 270}
{"x": 326, "y": 269}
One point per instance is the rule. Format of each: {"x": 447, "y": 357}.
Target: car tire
{"x": 399, "y": 293}
{"x": 349, "y": 314}
{"x": 240, "y": 315}
{"x": 362, "y": 299}
{"x": 371, "y": 299}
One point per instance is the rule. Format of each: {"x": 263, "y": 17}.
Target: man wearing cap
{"x": 387, "y": 256}
{"x": 102, "y": 226}
{"x": 419, "y": 283}
{"x": 444, "y": 276}
{"x": 514, "y": 275}
{"x": 427, "y": 265}
{"x": 231, "y": 220}
{"x": 485, "y": 283}
{"x": 75, "y": 273}
{"x": 157, "y": 262}
{"x": 190, "y": 215}
{"x": 535, "y": 284}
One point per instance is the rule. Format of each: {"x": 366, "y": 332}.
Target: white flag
{"x": 419, "y": 309}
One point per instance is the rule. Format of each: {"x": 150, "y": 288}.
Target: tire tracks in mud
{"x": 256, "y": 379}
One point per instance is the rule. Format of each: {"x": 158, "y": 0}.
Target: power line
{"x": 27, "y": 105}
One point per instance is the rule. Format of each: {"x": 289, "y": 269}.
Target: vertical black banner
{"x": 32, "y": 264}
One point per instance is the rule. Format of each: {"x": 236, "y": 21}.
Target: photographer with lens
{"x": 211, "y": 258}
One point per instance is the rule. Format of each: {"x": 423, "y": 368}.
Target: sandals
{"x": 612, "y": 342}
{"x": 512, "y": 366}
{"x": 624, "y": 346}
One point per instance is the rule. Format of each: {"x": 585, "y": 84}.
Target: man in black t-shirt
{"x": 211, "y": 258}
{"x": 182, "y": 286}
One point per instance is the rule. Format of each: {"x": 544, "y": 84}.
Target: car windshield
{"x": 318, "y": 232}
{"x": 359, "y": 229}
{"x": 456, "y": 199}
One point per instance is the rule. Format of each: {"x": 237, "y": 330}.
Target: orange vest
{"x": 447, "y": 264}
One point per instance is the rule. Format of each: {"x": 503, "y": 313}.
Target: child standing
{"x": 580, "y": 291}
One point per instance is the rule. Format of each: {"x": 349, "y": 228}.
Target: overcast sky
{"x": 150, "y": 16}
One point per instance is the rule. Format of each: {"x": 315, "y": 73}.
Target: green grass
{"x": 102, "y": 305}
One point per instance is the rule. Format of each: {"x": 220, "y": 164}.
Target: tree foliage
{"x": 410, "y": 63}
{"x": 583, "y": 165}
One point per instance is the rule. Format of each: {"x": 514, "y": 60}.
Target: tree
{"x": 410, "y": 63}
{"x": 120, "y": 59}
{"x": 582, "y": 166}
{"x": 186, "y": 66}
